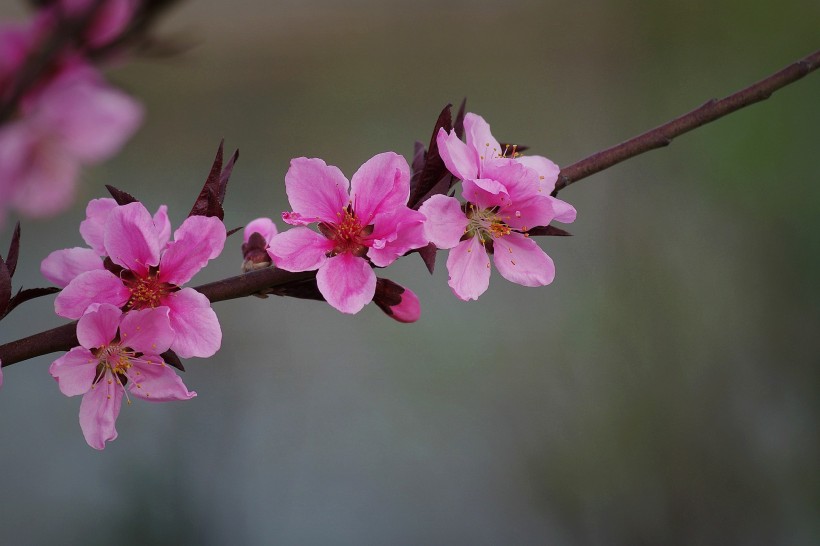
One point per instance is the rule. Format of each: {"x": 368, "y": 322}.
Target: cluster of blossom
{"x": 69, "y": 117}
{"x": 126, "y": 287}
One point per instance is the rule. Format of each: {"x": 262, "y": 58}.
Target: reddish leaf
{"x": 121, "y": 197}
{"x": 210, "y": 199}
{"x": 171, "y": 358}
{"x": 434, "y": 168}
{"x": 5, "y": 287}
{"x": 419, "y": 156}
{"x": 232, "y": 231}
{"x": 428, "y": 254}
{"x": 548, "y": 231}
{"x": 458, "y": 126}
{"x": 23, "y": 296}
{"x": 225, "y": 176}
{"x": 14, "y": 250}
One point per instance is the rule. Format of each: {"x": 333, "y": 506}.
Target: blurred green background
{"x": 663, "y": 390}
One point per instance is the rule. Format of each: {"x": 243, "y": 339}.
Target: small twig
{"x": 663, "y": 135}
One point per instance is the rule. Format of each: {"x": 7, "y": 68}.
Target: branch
{"x": 64, "y": 337}
{"x": 710, "y": 111}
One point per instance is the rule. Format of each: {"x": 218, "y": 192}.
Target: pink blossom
{"x": 117, "y": 349}
{"x": 505, "y": 197}
{"x": 257, "y": 237}
{"x": 371, "y": 225}
{"x": 75, "y": 120}
{"x": 397, "y": 302}
{"x": 150, "y": 272}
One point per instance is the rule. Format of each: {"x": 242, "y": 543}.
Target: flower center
{"x": 146, "y": 292}
{"x": 348, "y": 234}
{"x": 116, "y": 358}
{"x": 486, "y": 223}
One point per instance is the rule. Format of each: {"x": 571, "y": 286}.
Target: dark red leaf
{"x": 419, "y": 155}
{"x": 23, "y": 296}
{"x": 171, "y": 358}
{"x": 225, "y": 176}
{"x": 434, "y": 168}
{"x": 458, "y": 126}
{"x": 232, "y": 231}
{"x": 548, "y": 231}
{"x": 428, "y": 254}
{"x": 14, "y": 250}
{"x": 5, "y": 287}
{"x": 121, "y": 197}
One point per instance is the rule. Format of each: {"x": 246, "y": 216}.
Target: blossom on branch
{"x": 117, "y": 350}
{"x": 506, "y": 195}
{"x": 370, "y": 226}
{"x": 143, "y": 270}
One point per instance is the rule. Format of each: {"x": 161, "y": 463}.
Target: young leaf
{"x": 434, "y": 168}
{"x": 548, "y": 231}
{"x": 171, "y": 358}
{"x": 210, "y": 199}
{"x": 121, "y": 197}
{"x": 14, "y": 250}
{"x": 458, "y": 126}
{"x": 428, "y": 254}
{"x": 5, "y": 287}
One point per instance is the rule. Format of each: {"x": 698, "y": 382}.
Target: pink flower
{"x": 397, "y": 302}
{"x": 373, "y": 225}
{"x": 75, "y": 120}
{"x": 117, "y": 349}
{"x": 149, "y": 272}
{"x": 505, "y": 197}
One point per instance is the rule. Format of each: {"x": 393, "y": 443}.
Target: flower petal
{"x": 131, "y": 238}
{"x": 99, "y": 286}
{"x": 155, "y": 381}
{"x": 99, "y": 410}
{"x": 347, "y": 282}
{"x": 198, "y": 240}
{"x": 381, "y": 185}
{"x": 93, "y": 227}
{"x": 147, "y": 330}
{"x": 564, "y": 212}
{"x": 62, "y": 266}
{"x": 479, "y": 137}
{"x": 519, "y": 181}
{"x": 394, "y": 234}
{"x": 316, "y": 189}
{"x": 469, "y": 269}
{"x": 98, "y": 327}
{"x": 299, "y": 249}
{"x": 196, "y": 328}
{"x": 526, "y": 214}
{"x": 458, "y": 158}
{"x": 75, "y": 371}
{"x": 485, "y": 192}
{"x": 263, "y": 226}
{"x": 546, "y": 169}
{"x": 520, "y": 260}
{"x": 445, "y": 223}
{"x": 163, "y": 226}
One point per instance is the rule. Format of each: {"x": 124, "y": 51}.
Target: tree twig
{"x": 710, "y": 111}
{"x": 64, "y": 337}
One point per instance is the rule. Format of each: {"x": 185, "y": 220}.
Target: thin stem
{"x": 710, "y": 111}
{"x": 64, "y": 337}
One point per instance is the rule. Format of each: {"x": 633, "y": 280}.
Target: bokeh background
{"x": 663, "y": 390}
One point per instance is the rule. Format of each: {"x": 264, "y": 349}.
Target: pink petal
{"x": 156, "y": 382}
{"x": 564, "y": 212}
{"x": 131, "y": 238}
{"x": 520, "y": 260}
{"x": 479, "y": 137}
{"x": 523, "y": 215}
{"x": 196, "y": 328}
{"x": 469, "y": 269}
{"x": 395, "y": 234}
{"x": 445, "y": 223}
{"x": 299, "y": 249}
{"x": 485, "y": 192}
{"x": 147, "y": 330}
{"x": 546, "y": 169}
{"x": 99, "y": 410}
{"x": 98, "y": 327}
{"x": 75, "y": 371}
{"x": 347, "y": 282}
{"x": 380, "y": 185}
{"x": 92, "y": 119}
{"x": 458, "y": 158}
{"x": 62, "y": 266}
{"x": 99, "y": 286}
{"x": 93, "y": 227}
{"x": 519, "y": 181}
{"x": 263, "y": 226}
{"x": 163, "y": 225}
{"x": 198, "y": 240}
{"x": 316, "y": 189}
